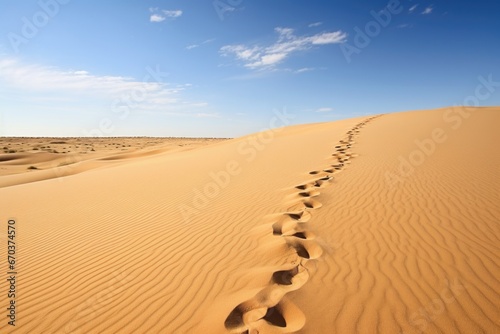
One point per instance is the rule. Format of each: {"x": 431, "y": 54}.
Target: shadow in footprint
{"x": 299, "y": 216}
{"x": 274, "y": 317}
{"x": 310, "y": 204}
{"x": 284, "y": 277}
{"x": 235, "y": 319}
{"x": 301, "y": 251}
{"x": 310, "y": 193}
{"x": 305, "y": 248}
{"x": 300, "y": 235}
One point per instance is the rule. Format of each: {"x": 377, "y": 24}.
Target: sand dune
{"x": 49, "y": 158}
{"x": 381, "y": 224}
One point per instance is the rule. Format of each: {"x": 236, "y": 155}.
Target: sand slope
{"x": 48, "y": 158}
{"x": 414, "y": 245}
{"x": 335, "y": 227}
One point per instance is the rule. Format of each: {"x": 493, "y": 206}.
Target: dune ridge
{"x": 270, "y": 307}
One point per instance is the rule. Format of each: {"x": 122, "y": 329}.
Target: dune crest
{"x": 269, "y": 309}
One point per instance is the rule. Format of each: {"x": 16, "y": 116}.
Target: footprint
{"x": 306, "y": 249}
{"x": 311, "y": 193}
{"x": 261, "y": 312}
{"x": 292, "y": 279}
{"x": 275, "y": 318}
{"x": 254, "y": 309}
{"x": 284, "y": 277}
{"x": 285, "y": 317}
{"x": 298, "y": 231}
{"x": 318, "y": 183}
{"x": 322, "y": 181}
{"x": 295, "y": 319}
{"x": 300, "y": 216}
{"x": 234, "y": 322}
{"x": 312, "y": 204}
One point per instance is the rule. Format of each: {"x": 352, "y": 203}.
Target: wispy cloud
{"x": 412, "y": 8}
{"x": 324, "y": 109}
{"x": 304, "y": 69}
{"x": 315, "y": 24}
{"x": 194, "y": 46}
{"x": 79, "y": 85}
{"x": 264, "y": 57}
{"x": 172, "y": 13}
{"x": 158, "y": 15}
{"x": 427, "y": 10}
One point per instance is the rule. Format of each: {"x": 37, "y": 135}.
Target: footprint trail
{"x": 270, "y": 310}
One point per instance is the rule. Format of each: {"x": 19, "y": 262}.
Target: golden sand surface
{"x": 381, "y": 224}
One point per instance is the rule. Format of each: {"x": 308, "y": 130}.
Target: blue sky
{"x": 223, "y": 68}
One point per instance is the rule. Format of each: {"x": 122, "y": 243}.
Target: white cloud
{"x": 242, "y": 52}
{"x": 412, "y": 8}
{"x": 172, "y": 13}
{"x": 315, "y": 24}
{"x": 324, "y": 109}
{"x": 268, "y": 60}
{"x": 428, "y": 10}
{"x": 156, "y": 18}
{"x": 305, "y": 69}
{"x": 328, "y": 38}
{"x": 194, "y": 46}
{"x": 259, "y": 57}
{"x": 146, "y": 95}
{"x": 161, "y": 15}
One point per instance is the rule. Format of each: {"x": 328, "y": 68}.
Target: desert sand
{"x": 58, "y": 157}
{"x": 380, "y": 224}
